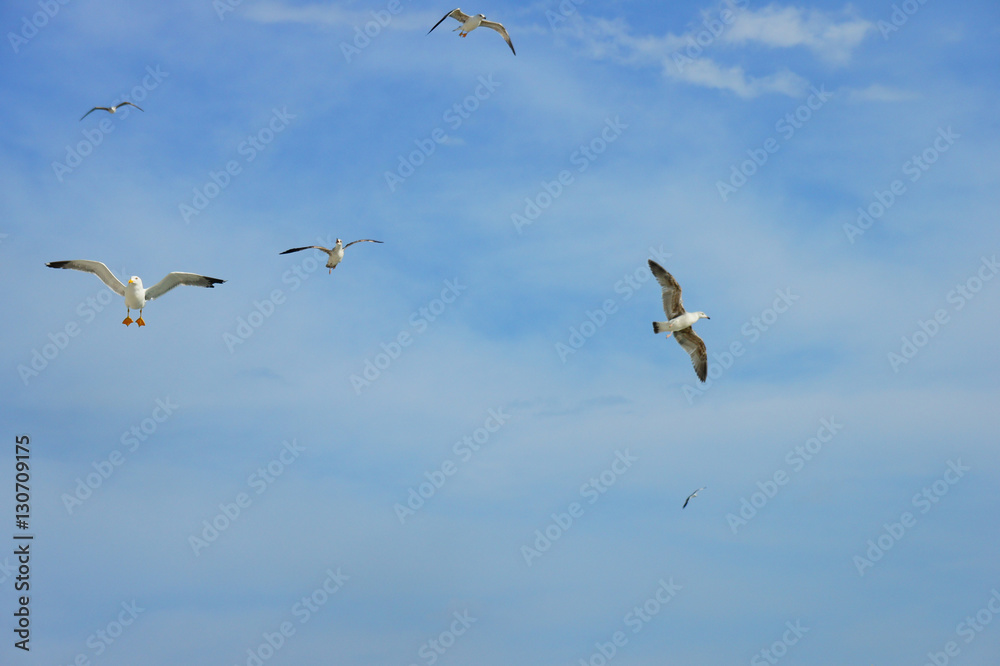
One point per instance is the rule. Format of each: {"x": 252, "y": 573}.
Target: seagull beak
{"x": 130, "y": 281}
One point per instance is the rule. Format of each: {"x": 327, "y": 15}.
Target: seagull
{"x": 470, "y": 23}
{"x": 109, "y": 109}
{"x": 335, "y": 254}
{"x": 694, "y": 494}
{"x": 680, "y": 322}
{"x": 135, "y": 295}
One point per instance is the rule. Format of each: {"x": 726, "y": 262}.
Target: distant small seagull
{"x": 694, "y": 494}
{"x": 470, "y": 23}
{"x": 335, "y": 255}
{"x": 109, "y": 109}
{"x": 680, "y": 322}
{"x": 135, "y": 296}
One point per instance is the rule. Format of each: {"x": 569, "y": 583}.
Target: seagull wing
{"x": 493, "y": 25}
{"x": 673, "y": 306}
{"x": 95, "y": 267}
{"x": 307, "y": 247}
{"x": 363, "y": 240}
{"x": 694, "y": 494}
{"x": 129, "y": 104}
{"x": 694, "y": 346}
{"x": 175, "y": 279}
{"x": 456, "y": 14}
{"x": 96, "y": 108}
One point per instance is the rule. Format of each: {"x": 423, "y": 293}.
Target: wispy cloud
{"x": 876, "y": 92}
{"x": 787, "y": 27}
{"x": 683, "y": 57}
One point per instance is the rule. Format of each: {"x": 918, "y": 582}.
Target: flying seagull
{"x": 109, "y": 109}
{"x": 135, "y": 295}
{"x": 335, "y": 254}
{"x": 694, "y": 494}
{"x": 470, "y": 23}
{"x": 680, "y": 322}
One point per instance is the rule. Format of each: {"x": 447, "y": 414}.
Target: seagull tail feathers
{"x": 656, "y": 327}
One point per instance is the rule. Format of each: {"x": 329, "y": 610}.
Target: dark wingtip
{"x": 214, "y": 281}
{"x": 57, "y": 264}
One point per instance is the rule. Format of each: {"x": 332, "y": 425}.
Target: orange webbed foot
{"x": 127, "y": 321}
{"x": 139, "y": 321}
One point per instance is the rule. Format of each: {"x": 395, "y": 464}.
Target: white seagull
{"x": 680, "y": 322}
{"x": 135, "y": 295}
{"x": 109, "y": 109}
{"x": 335, "y": 254}
{"x": 694, "y": 494}
{"x": 470, "y": 23}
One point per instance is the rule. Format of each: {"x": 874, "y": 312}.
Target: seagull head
{"x": 339, "y": 242}
{"x": 136, "y": 281}
{"x": 702, "y": 315}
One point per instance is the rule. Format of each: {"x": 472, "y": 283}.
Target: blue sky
{"x": 466, "y": 445}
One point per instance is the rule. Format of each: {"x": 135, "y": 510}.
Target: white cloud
{"x": 683, "y": 59}
{"x": 787, "y": 27}
{"x": 876, "y": 92}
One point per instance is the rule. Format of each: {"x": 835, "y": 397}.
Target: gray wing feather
{"x": 673, "y": 306}
{"x": 694, "y": 346}
{"x": 307, "y": 247}
{"x": 493, "y": 25}
{"x": 363, "y": 240}
{"x": 95, "y": 267}
{"x": 456, "y": 14}
{"x": 176, "y": 279}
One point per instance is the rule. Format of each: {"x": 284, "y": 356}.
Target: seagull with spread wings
{"x": 470, "y": 23}
{"x": 335, "y": 254}
{"x": 109, "y": 109}
{"x": 694, "y": 494}
{"x": 679, "y": 322}
{"x": 136, "y": 297}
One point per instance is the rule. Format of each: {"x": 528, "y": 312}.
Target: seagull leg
{"x": 669, "y": 334}
{"x": 139, "y": 321}
{"x": 462, "y": 34}
{"x": 128, "y": 317}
